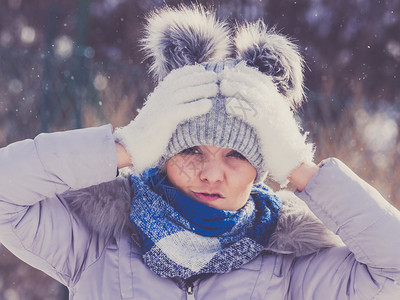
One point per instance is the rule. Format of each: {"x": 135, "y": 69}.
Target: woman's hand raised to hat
{"x": 254, "y": 97}
{"x": 183, "y": 94}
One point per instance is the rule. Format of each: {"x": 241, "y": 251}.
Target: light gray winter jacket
{"x": 55, "y": 216}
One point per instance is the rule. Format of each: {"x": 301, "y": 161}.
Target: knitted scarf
{"x": 182, "y": 237}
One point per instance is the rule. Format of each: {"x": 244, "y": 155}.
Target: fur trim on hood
{"x": 105, "y": 209}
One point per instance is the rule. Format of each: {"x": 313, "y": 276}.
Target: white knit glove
{"x": 252, "y": 96}
{"x": 183, "y": 94}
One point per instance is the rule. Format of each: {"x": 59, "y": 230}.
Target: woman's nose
{"x": 212, "y": 171}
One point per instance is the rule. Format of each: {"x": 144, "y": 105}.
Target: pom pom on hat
{"x": 187, "y": 35}
{"x": 274, "y": 55}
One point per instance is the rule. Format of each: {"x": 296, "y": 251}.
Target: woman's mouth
{"x": 208, "y": 197}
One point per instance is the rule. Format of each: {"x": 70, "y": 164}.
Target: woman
{"x": 193, "y": 219}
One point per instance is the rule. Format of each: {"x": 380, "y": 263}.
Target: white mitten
{"x": 283, "y": 146}
{"x": 183, "y": 94}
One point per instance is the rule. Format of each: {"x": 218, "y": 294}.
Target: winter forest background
{"x": 76, "y": 63}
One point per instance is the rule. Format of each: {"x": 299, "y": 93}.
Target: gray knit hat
{"x": 178, "y": 37}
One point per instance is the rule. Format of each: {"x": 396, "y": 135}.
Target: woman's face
{"x": 218, "y": 177}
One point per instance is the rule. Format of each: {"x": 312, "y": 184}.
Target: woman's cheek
{"x": 182, "y": 168}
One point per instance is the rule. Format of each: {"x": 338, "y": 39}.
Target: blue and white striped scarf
{"x": 182, "y": 237}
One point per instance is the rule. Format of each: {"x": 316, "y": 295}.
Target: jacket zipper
{"x": 188, "y": 285}
{"x": 190, "y": 291}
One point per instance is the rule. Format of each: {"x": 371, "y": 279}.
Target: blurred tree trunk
{"x": 80, "y": 84}
{"x": 47, "y": 107}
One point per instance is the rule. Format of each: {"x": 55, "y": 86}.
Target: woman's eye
{"x": 236, "y": 154}
{"x": 191, "y": 151}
